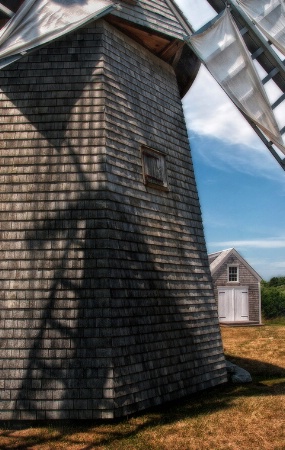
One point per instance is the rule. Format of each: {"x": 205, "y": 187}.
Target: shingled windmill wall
{"x": 106, "y": 300}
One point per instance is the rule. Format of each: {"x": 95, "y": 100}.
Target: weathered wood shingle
{"x": 153, "y": 14}
{"x": 107, "y": 305}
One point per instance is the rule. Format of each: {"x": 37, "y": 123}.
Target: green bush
{"x": 272, "y": 301}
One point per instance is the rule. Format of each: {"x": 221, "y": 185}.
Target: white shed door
{"x": 233, "y": 304}
{"x": 226, "y": 305}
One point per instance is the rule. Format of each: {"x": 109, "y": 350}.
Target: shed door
{"x": 226, "y": 305}
{"x": 233, "y": 304}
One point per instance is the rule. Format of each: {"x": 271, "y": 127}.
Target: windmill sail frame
{"x": 261, "y": 51}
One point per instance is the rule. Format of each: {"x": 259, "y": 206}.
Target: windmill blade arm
{"x": 6, "y": 11}
{"x": 220, "y": 47}
{"x": 254, "y": 41}
{"x": 267, "y": 143}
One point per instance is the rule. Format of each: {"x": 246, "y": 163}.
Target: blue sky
{"x": 241, "y": 186}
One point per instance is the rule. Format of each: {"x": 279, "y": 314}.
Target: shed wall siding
{"x": 106, "y": 303}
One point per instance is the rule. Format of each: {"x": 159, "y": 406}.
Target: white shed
{"x": 236, "y": 286}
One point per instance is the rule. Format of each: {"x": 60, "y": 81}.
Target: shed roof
{"x": 217, "y": 259}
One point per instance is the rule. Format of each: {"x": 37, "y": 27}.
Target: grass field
{"x": 248, "y": 417}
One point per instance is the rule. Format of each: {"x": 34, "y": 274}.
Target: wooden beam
{"x": 268, "y": 59}
{"x": 180, "y": 17}
{"x": 6, "y": 10}
{"x": 170, "y": 47}
{"x": 131, "y": 2}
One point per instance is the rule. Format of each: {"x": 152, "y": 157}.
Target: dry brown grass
{"x": 248, "y": 417}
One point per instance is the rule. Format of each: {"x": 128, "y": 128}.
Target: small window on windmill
{"x": 154, "y": 168}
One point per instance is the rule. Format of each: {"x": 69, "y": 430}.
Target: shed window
{"x": 233, "y": 273}
{"x": 154, "y": 168}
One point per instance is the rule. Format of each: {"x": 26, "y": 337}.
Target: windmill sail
{"x": 222, "y": 50}
{"x": 40, "y": 21}
{"x": 269, "y": 17}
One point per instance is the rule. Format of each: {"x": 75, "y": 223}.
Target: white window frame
{"x": 236, "y": 266}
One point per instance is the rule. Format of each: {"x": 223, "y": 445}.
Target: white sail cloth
{"x": 40, "y": 21}
{"x": 269, "y": 17}
{"x": 222, "y": 49}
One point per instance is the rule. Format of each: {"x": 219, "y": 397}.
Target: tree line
{"x": 273, "y": 298}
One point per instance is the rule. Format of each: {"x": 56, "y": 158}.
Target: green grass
{"x": 280, "y": 321}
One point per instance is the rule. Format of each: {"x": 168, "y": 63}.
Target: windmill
{"x": 107, "y": 302}
{"x": 107, "y": 305}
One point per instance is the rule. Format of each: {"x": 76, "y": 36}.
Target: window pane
{"x": 233, "y": 274}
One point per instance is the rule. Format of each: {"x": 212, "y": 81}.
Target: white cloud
{"x": 269, "y": 269}
{"x": 269, "y": 243}
{"x": 208, "y": 111}
{"x": 278, "y": 265}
